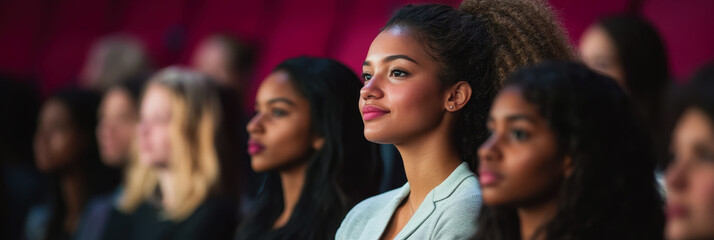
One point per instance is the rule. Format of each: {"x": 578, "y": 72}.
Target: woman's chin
{"x": 259, "y": 164}
{"x": 377, "y": 138}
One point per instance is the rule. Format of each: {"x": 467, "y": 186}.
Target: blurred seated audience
{"x": 170, "y": 185}
{"x": 228, "y": 61}
{"x": 118, "y": 117}
{"x": 66, "y": 152}
{"x": 113, "y": 59}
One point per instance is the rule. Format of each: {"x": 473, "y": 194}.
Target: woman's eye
{"x": 366, "y": 76}
{"x": 704, "y": 154}
{"x": 278, "y": 112}
{"x": 519, "y": 135}
{"x": 398, "y": 73}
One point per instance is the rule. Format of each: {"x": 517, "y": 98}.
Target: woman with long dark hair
{"x": 66, "y": 151}
{"x": 566, "y": 159}
{"x": 430, "y": 76}
{"x": 629, "y": 49}
{"x": 690, "y": 175}
{"x": 306, "y": 136}
{"x": 118, "y": 115}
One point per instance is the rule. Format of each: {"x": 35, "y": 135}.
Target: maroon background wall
{"x": 686, "y": 26}
{"x": 46, "y": 41}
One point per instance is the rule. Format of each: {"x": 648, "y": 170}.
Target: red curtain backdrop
{"x": 47, "y": 41}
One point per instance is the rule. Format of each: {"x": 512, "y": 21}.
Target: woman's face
{"x": 211, "y": 58}
{"x": 57, "y": 142}
{"x": 600, "y": 54}
{"x": 117, "y": 126}
{"x": 519, "y": 164}
{"x": 280, "y": 133}
{"x": 154, "y": 131}
{"x": 690, "y": 178}
{"x": 402, "y": 96}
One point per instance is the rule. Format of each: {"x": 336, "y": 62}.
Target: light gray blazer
{"x": 449, "y": 211}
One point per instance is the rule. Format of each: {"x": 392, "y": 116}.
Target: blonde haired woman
{"x": 170, "y": 182}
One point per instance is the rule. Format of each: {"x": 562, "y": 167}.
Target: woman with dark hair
{"x": 690, "y": 175}
{"x": 118, "y": 116}
{"x": 306, "y": 136}
{"x": 566, "y": 159}
{"x": 66, "y": 150}
{"x": 430, "y": 76}
{"x": 629, "y": 49}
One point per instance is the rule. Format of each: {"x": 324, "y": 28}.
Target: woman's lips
{"x": 372, "y": 112}
{"x": 676, "y": 211}
{"x": 488, "y": 177}
{"x": 254, "y": 147}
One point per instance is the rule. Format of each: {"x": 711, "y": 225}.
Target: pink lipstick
{"x": 674, "y": 211}
{"x": 488, "y": 178}
{"x": 372, "y": 112}
{"x": 254, "y": 147}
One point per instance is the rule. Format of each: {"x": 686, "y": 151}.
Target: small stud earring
{"x": 451, "y": 107}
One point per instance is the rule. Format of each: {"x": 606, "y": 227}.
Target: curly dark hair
{"x": 480, "y": 43}
{"x": 612, "y": 192}
{"x": 524, "y": 32}
{"x": 345, "y": 171}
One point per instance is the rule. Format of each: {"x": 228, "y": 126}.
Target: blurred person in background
{"x": 306, "y": 136}
{"x": 226, "y": 60}
{"x": 118, "y": 117}
{"x": 628, "y": 49}
{"x": 113, "y": 59}
{"x": 566, "y": 159}
{"x": 690, "y": 175}
{"x": 171, "y": 186}
{"x": 66, "y": 151}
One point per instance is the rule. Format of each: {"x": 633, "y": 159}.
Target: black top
{"x": 213, "y": 219}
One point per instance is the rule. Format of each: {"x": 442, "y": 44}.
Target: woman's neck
{"x": 536, "y": 217}
{"x": 74, "y": 193}
{"x": 292, "y": 181}
{"x": 428, "y": 161}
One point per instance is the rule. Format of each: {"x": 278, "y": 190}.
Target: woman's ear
{"x": 317, "y": 143}
{"x": 568, "y": 166}
{"x": 457, "y": 96}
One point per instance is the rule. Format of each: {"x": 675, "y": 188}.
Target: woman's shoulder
{"x": 460, "y": 186}
{"x": 456, "y": 217}
{"x": 36, "y": 221}
{"x": 373, "y": 207}
{"x": 468, "y": 187}
{"x": 465, "y": 199}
